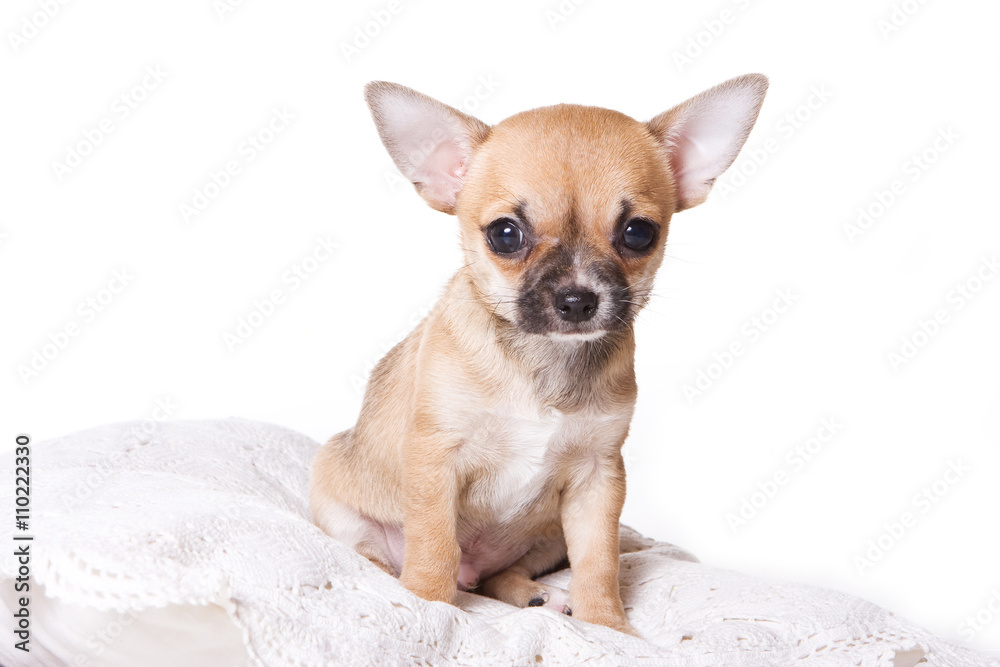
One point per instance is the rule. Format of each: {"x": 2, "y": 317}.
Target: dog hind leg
{"x": 516, "y": 585}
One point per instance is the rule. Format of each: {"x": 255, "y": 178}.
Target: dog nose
{"x": 576, "y": 305}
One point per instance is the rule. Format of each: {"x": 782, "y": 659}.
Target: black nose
{"x": 576, "y": 305}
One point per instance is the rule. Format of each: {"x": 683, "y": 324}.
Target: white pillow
{"x": 203, "y": 529}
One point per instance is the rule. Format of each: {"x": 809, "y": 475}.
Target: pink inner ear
{"x": 706, "y": 138}
{"x": 697, "y": 160}
{"x": 705, "y": 147}
{"x": 442, "y": 172}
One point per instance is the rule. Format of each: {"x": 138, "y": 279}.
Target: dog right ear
{"x": 430, "y": 142}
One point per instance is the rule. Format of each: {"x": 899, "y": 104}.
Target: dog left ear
{"x": 704, "y": 135}
{"x": 430, "y": 142}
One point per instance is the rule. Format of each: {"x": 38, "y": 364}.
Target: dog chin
{"x": 575, "y": 337}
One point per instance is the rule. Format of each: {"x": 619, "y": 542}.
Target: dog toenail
{"x": 568, "y": 611}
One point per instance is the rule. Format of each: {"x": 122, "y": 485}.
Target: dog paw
{"x": 444, "y": 591}
{"x": 626, "y": 628}
{"x": 619, "y": 623}
{"x": 552, "y": 598}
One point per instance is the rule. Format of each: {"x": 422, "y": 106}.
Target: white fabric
{"x": 69, "y": 634}
{"x": 216, "y": 513}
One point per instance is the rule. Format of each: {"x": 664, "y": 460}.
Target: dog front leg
{"x": 431, "y": 554}
{"x": 591, "y": 508}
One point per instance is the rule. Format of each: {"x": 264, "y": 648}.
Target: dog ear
{"x": 430, "y": 142}
{"x": 703, "y": 135}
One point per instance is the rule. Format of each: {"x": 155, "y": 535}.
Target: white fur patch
{"x": 577, "y": 337}
{"x": 523, "y": 443}
{"x": 342, "y": 523}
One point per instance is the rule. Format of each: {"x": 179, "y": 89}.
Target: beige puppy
{"x": 488, "y": 449}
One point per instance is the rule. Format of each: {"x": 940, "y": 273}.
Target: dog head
{"x": 564, "y": 210}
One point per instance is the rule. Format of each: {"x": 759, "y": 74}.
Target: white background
{"x": 864, "y": 95}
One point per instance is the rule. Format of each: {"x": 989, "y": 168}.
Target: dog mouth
{"x": 576, "y": 337}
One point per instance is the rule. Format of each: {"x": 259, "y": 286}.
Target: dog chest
{"x": 515, "y": 458}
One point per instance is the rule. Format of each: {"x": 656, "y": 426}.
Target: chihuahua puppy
{"x": 488, "y": 448}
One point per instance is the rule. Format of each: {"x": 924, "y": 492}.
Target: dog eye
{"x": 504, "y": 236}
{"x": 639, "y": 234}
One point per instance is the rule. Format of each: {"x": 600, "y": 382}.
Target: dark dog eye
{"x": 504, "y": 236}
{"x": 639, "y": 234}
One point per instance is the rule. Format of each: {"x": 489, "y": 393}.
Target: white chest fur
{"x": 514, "y": 456}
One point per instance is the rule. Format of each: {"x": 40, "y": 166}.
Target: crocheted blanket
{"x": 128, "y": 519}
